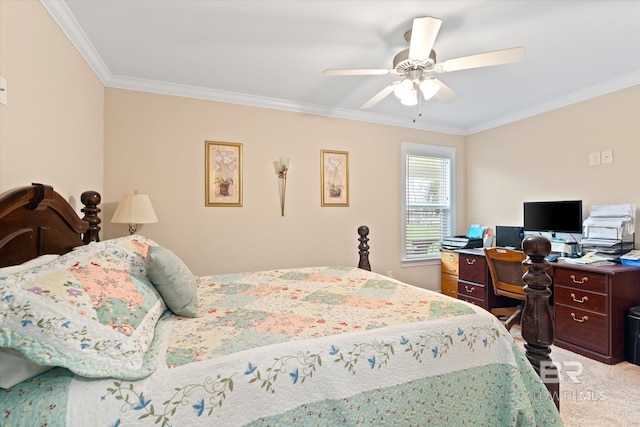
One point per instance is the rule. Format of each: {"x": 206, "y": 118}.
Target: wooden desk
{"x": 589, "y": 302}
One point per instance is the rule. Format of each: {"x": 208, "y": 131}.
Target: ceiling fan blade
{"x": 423, "y": 35}
{"x": 379, "y": 96}
{"x": 498, "y": 57}
{"x": 445, "y": 93}
{"x": 359, "y": 72}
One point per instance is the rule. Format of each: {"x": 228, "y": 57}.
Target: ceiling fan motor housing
{"x": 402, "y": 63}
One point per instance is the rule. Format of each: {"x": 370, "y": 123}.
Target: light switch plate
{"x": 607, "y": 156}
{"x": 3, "y": 91}
{"x": 594, "y": 159}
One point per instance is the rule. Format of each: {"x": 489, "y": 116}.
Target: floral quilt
{"x": 310, "y": 346}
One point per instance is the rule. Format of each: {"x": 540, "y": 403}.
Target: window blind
{"x": 427, "y": 204}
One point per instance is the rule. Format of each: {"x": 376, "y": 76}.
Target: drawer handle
{"x": 469, "y": 289}
{"x": 581, "y": 281}
{"x": 581, "y": 300}
{"x": 451, "y": 269}
{"x": 573, "y": 315}
{"x": 470, "y": 261}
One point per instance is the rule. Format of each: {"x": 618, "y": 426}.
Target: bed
{"x": 120, "y": 332}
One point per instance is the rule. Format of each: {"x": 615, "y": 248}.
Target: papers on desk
{"x": 609, "y": 230}
{"x": 632, "y": 255}
{"x": 602, "y": 246}
{"x": 599, "y": 242}
{"x": 591, "y": 258}
{"x": 610, "y": 222}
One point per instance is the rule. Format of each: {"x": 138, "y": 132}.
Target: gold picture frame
{"x": 223, "y": 166}
{"x": 334, "y": 178}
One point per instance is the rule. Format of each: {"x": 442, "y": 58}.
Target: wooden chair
{"x": 506, "y": 268}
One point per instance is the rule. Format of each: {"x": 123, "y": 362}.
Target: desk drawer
{"x": 449, "y": 285}
{"x": 580, "y": 299}
{"x": 474, "y": 301}
{"x": 473, "y": 268}
{"x": 586, "y": 280}
{"x": 583, "y": 328}
{"x": 473, "y": 290}
{"x": 449, "y": 263}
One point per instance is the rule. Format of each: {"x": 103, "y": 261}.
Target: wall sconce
{"x": 282, "y": 166}
{"x": 134, "y": 209}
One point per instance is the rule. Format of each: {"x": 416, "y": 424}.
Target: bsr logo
{"x": 552, "y": 372}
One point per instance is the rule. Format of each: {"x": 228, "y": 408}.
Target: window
{"x": 428, "y": 199}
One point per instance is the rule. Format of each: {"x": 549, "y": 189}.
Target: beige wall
{"x": 52, "y": 128}
{"x": 155, "y": 144}
{"x": 63, "y": 128}
{"x": 60, "y": 127}
{"x": 546, "y": 157}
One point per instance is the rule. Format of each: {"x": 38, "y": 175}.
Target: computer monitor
{"x": 554, "y": 217}
{"x": 509, "y": 237}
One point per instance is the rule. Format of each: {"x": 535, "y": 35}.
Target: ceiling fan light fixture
{"x": 403, "y": 89}
{"x": 411, "y": 98}
{"x": 429, "y": 88}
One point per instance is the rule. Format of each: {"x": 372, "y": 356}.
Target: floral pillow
{"x": 92, "y": 311}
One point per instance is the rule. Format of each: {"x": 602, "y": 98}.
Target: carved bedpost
{"x": 537, "y": 322}
{"x": 91, "y": 200}
{"x": 363, "y": 247}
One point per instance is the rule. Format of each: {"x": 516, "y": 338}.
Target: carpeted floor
{"x": 600, "y": 395}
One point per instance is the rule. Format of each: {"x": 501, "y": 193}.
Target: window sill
{"x": 407, "y": 263}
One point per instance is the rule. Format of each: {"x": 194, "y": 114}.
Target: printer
{"x": 460, "y": 242}
{"x": 473, "y": 239}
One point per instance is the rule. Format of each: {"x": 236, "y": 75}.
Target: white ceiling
{"x": 272, "y": 53}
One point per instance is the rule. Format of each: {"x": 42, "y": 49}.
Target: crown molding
{"x": 164, "y": 88}
{"x": 67, "y": 22}
{"x": 70, "y": 27}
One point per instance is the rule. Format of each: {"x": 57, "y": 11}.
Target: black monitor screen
{"x": 561, "y": 217}
{"x": 509, "y": 237}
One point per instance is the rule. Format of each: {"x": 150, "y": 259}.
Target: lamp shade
{"x": 429, "y": 88}
{"x": 135, "y": 209}
{"x": 410, "y": 98}
{"x": 403, "y": 89}
{"x": 282, "y": 164}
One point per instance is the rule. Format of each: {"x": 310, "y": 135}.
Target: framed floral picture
{"x": 334, "y": 178}
{"x": 223, "y": 180}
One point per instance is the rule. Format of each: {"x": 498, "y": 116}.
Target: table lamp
{"x": 134, "y": 209}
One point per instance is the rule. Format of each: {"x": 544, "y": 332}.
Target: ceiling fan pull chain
{"x": 419, "y": 107}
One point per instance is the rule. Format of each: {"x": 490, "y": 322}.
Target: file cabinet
{"x": 590, "y": 306}
{"x": 449, "y": 273}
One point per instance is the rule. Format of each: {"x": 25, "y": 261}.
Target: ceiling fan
{"x": 419, "y": 60}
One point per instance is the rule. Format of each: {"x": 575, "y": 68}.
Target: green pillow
{"x": 173, "y": 279}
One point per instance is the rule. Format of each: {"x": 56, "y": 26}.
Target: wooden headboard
{"x": 35, "y": 220}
